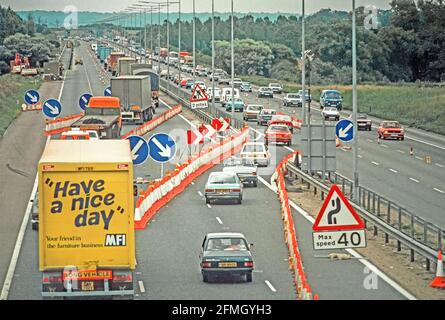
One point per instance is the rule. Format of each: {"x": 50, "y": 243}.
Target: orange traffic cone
{"x": 439, "y": 280}
{"x": 338, "y": 143}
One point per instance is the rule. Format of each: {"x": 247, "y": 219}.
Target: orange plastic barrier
{"x": 304, "y": 291}
{"x": 61, "y": 125}
{"x": 162, "y": 192}
{"x": 296, "y": 123}
{"x": 151, "y": 125}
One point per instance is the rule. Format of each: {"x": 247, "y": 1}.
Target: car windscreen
{"x": 254, "y": 148}
{"x": 278, "y": 128}
{"x": 234, "y": 162}
{"x": 269, "y": 112}
{"x": 102, "y": 111}
{"x": 293, "y": 96}
{"x": 265, "y": 89}
{"x": 281, "y": 118}
{"x": 391, "y": 125}
{"x": 222, "y": 179}
{"x": 333, "y": 95}
{"x": 331, "y": 109}
{"x": 227, "y": 244}
{"x": 254, "y": 108}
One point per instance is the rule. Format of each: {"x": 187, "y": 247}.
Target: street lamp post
{"x": 179, "y": 48}
{"x": 354, "y": 104}
{"x": 233, "y": 68}
{"x": 194, "y": 43}
{"x": 213, "y": 54}
{"x": 303, "y": 63}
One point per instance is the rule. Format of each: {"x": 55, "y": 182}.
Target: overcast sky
{"x": 201, "y": 5}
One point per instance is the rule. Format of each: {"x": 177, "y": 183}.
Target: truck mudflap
{"x": 87, "y": 284}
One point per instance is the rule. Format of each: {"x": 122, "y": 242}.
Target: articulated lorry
{"x": 86, "y": 223}
{"x": 134, "y": 93}
{"x": 103, "y": 115}
{"x": 113, "y": 62}
{"x": 141, "y": 69}
{"x": 103, "y": 53}
{"x": 125, "y": 66}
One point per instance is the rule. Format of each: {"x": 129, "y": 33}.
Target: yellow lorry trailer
{"x": 86, "y": 222}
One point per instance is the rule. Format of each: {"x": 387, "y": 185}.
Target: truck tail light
{"x": 248, "y": 264}
{"x": 48, "y": 279}
{"x": 206, "y": 265}
{"x": 123, "y": 277}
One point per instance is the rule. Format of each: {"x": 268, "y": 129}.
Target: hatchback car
{"x": 257, "y": 152}
{"x": 391, "y": 130}
{"x": 224, "y": 186}
{"x": 265, "y": 93}
{"x": 276, "y": 88}
{"x": 278, "y": 134}
{"x": 265, "y": 116}
{"x": 246, "y": 87}
{"x": 251, "y": 112}
{"x": 331, "y": 114}
{"x": 238, "y": 104}
{"x": 292, "y": 100}
{"x": 226, "y": 254}
{"x": 282, "y": 119}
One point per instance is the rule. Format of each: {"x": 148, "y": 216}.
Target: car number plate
{"x": 88, "y": 286}
{"x": 227, "y": 264}
{"x": 222, "y": 191}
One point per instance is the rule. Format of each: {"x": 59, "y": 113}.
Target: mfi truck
{"x": 102, "y": 115}
{"x": 86, "y": 223}
{"x": 134, "y": 93}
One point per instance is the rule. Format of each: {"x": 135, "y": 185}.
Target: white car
{"x": 257, "y": 152}
{"x": 276, "y": 88}
{"x": 227, "y": 93}
{"x": 217, "y": 94}
{"x": 331, "y": 114}
{"x": 244, "y": 168}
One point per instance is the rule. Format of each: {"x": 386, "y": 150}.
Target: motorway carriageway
{"x": 386, "y": 168}
{"x": 167, "y": 251}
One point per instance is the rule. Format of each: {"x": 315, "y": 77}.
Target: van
{"x": 227, "y": 93}
{"x": 331, "y": 98}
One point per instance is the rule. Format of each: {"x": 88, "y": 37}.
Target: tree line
{"x": 408, "y": 44}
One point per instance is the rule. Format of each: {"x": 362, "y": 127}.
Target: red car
{"x": 391, "y": 129}
{"x": 278, "y": 133}
{"x": 282, "y": 119}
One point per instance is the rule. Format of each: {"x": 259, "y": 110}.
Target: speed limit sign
{"x": 339, "y": 239}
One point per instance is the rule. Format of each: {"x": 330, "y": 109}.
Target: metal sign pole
{"x": 303, "y": 64}
{"x": 354, "y": 104}
{"x": 233, "y": 71}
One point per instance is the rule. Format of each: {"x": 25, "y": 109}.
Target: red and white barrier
{"x": 302, "y": 286}
{"x": 162, "y": 192}
{"x": 151, "y": 125}
{"x": 296, "y": 123}
{"x": 61, "y": 125}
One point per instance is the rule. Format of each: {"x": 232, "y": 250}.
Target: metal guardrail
{"x": 369, "y": 207}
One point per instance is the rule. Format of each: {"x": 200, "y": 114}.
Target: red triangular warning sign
{"x": 337, "y": 213}
{"x": 198, "y": 95}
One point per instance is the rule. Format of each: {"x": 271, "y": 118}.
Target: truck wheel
{"x": 249, "y": 277}
{"x": 205, "y": 278}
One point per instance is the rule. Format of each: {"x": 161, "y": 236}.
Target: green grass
{"x": 12, "y": 89}
{"x": 411, "y": 104}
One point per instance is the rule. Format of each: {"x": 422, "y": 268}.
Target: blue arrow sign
{"x": 139, "y": 149}
{"x": 162, "y": 148}
{"x": 84, "y": 100}
{"x": 345, "y": 130}
{"x": 52, "y": 108}
{"x": 107, "y": 92}
{"x": 32, "y": 97}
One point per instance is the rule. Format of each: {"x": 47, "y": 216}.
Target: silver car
{"x": 224, "y": 186}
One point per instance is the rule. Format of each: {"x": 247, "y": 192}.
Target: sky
{"x": 273, "y": 6}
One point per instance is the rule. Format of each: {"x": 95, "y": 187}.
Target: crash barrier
{"x": 296, "y": 123}
{"x": 302, "y": 286}
{"x": 151, "y": 125}
{"x": 32, "y": 107}
{"x": 61, "y": 125}
{"x": 162, "y": 192}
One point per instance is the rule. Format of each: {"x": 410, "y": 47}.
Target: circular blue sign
{"x": 139, "y": 149}
{"x": 162, "y": 148}
{"x": 32, "y": 97}
{"x": 345, "y": 130}
{"x": 84, "y": 101}
{"x": 52, "y": 108}
{"x": 107, "y": 92}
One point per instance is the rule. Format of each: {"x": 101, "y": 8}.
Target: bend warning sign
{"x": 337, "y": 214}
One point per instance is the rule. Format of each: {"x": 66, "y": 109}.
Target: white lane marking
{"x": 141, "y": 287}
{"x": 419, "y": 158}
{"x": 200, "y": 194}
{"x": 193, "y": 183}
{"x": 209, "y": 206}
{"x": 439, "y": 165}
{"x": 88, "y": 80}
{"x": 438, "y": 190}
{"x": 375, "y": 163}
{"x": 415, "y": 180}
{"x": 369, "y": 140}
{"x": 368, "y": 264}
{"x": 271, "y": 287}
{"x": 219, "y": 220}
{"x": 424, "y": 142}
{"x": 401, "y": 151}
{"x": 18, "y": 244}
{"x": 393, "y": 171}
{"x": 384, "y": 146}
{"x": 360, "y": 156}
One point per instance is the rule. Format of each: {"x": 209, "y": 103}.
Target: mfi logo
{"x": 116, "y": 240}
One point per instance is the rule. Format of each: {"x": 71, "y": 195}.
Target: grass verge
{"x": 12, "y": 90}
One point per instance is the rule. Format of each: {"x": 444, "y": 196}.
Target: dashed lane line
{"x": 271, "y": 287}
{"x": 438, "y": 190}
{"x": 219, "y": 221}
{"x": 375, "y": 163}
{"x": 414, "y": 180}
{"x": 393, "y": 171}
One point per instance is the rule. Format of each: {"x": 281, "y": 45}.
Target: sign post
{"x": 338, "y": 226}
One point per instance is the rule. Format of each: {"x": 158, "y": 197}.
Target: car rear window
{"x": 391, "y": 125}
{"x": 269, "y": 112}
{"x": 254, "y": 108}
{"x": 293, "y": 96}
{"x": 222, "y": 179}
{"x": 239, "y": 162}
{"x": 227, "y": 244}
{"x": 281, "y": 118}
{"x": 254, "y": 148}
{"x": 279, "y": 128}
